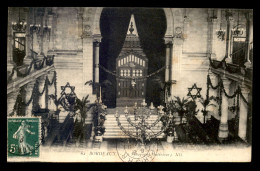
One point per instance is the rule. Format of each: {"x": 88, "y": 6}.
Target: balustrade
{"x": 243, "y": 82}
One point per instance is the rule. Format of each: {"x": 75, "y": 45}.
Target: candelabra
{"x": 221, "y": 34}
{"x": 143, "y": 128}
{"x": 20, "y": 26}
{"x": 236, "y": 30}
{"x": 35, "y": 28}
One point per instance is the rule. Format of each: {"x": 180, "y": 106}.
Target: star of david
{"x": 67, "y": 89}
{"x": 193, "y": 94}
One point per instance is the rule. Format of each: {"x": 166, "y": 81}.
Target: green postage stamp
{"x": 23, "y": 136}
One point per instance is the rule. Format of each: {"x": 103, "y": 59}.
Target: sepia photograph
{"x": 129, "y": 84}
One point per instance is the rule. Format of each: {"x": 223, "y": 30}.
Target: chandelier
{"x": 237, "y": 31}
{"x": 143, "y": 128}
{"x": 220, "y": 32}
{"x": 20, "y": 26}
{"x": 35, "y": 27}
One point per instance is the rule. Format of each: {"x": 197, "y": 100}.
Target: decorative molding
{"x": 97, "y": 38}
{"x": 86, "y": 33}
{"x": 235, "y": 77}
{"x": 178, "y": 33}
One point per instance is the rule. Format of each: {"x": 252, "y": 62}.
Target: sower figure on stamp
{"x": 20, "y": 134}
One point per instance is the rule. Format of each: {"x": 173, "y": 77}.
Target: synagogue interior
{"x": 98, "y": 75}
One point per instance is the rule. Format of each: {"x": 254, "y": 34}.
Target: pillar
{"x": 230, "y": 21}
{"x": 10, "y": 37}
{"x": 50, "y": 39}
{"x": 10, "y": 63}
{"x": 167, "y": 61}
{"x": 28, "y": 57}
{"x": 212, "y": 24}
{"x": 11, "y": 99}
{"x": 223, "y": 127}
{"x": 175, "y": 63}
{"x": 41, "y": 14}
{"x": 249, "y": 38}
{"x": 168, "y": 56}
{"x": 96, "y": 58}
{"x": 213, "y": 92}
{"x": 243, "y": 112}
{"x": 51, "y": 90}
{"x": 42, "y": 100}
{"x": 28, "y": 93}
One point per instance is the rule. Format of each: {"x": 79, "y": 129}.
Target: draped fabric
{"x": 151, "y": 26}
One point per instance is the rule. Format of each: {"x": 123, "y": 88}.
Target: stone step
{"x": 127, "y": 126}
{"x": 130, "y": 115}
{"x": 126, "y": 122}
{"x": 123, "y": 136}
{"x": 130, "y": 129}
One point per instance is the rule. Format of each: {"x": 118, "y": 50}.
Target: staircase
{"x": 113, "y": 130}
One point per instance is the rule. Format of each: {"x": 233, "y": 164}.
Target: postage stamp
{"x": 23, "y": 136}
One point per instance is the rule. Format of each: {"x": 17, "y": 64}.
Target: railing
{"x": 25, "y": 70}
{"x": 231, "y": 68}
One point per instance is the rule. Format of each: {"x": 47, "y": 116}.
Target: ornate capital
{"x": 168, "y": 39}
{"x": 97, "y": 39}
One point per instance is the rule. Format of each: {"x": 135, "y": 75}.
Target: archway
{"x": 154, "y": 25}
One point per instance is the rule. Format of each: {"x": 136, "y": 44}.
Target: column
{"x": 168, "y": 57}
{"x": 212, "y": 35}
{"x": 249, "y": 38}
{"x": 42, "y": 100}
{"x": 175, "y": 63}
{"x": 167, "y": 61}
{"x": 243, "y": 112}
{"x": 50, "y": 39}
{"x": 28, "y": 94}
{"x": 10, "y": 63}
{"x": 96, "y": 66}
{"x": 96, "y": 58}
{"x": 230, "y": 20}
{"x": 51, "y": 90}
{"x": 223, "y": 127}
{"x": 10, "y": 38}
{"x": 28, "y": 39}
{"x": 212, "y": 109}
{"x": 11, "y": 99}
{"x": 42, "y": 16}
{"x": 87, "y": 64}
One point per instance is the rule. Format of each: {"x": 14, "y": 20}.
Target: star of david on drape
{"x": 193, "y": 94}
{"x": 67, "y": 86}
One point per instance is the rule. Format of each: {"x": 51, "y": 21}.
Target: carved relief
{"x": 168, "y": 40}
{"x": 178, "y": 33}
{"x": 86, "y": 31}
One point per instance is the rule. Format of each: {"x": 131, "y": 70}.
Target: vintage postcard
{"x": 103, "y": 84}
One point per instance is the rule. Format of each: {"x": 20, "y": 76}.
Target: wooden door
{"x": 239, "y": 49}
